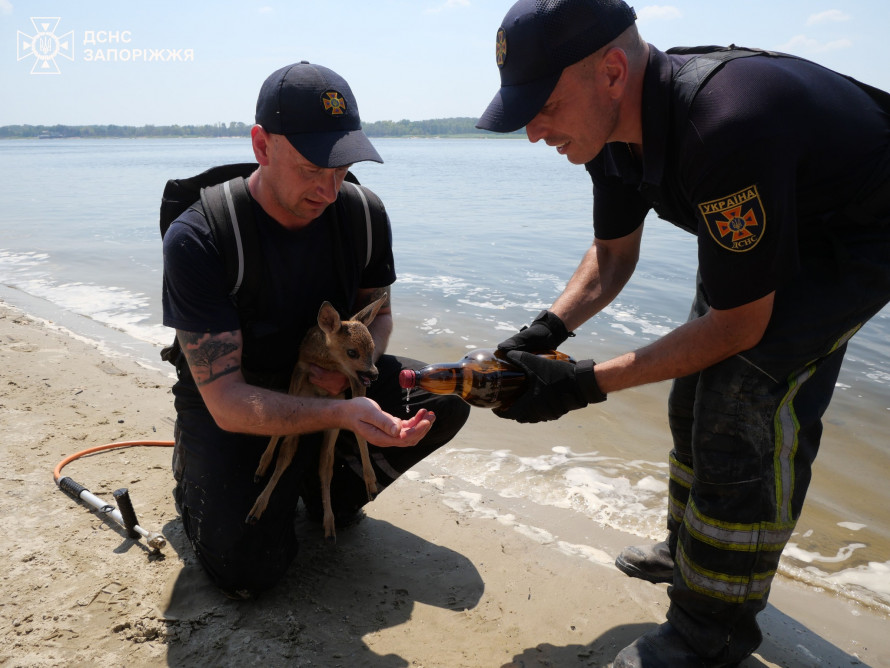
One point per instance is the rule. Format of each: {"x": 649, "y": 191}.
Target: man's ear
{"x": 616, "y": 68}
{"x": 260, "y": 140}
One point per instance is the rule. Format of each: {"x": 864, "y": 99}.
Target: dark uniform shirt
{"x": 771, "y": 150}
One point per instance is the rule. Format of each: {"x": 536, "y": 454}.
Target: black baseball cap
{"x": 537, "y": 40}
{"x": 315, "y": 109}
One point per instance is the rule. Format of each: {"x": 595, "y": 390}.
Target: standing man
{"x": 236, "y": 363}
{"x": 781, "y": 168}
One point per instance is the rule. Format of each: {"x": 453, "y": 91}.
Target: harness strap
{"x": 239, "y": 244}
{"x": 689, "y": 79}
{"x": 229, "y": 212}
{"x": 361, "y": 194}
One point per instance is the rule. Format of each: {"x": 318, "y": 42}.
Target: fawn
{"x": 337, "y": 345}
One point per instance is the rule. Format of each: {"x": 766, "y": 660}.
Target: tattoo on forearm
{"x": 213, "y": 376}
{"x": 209, "y": 357}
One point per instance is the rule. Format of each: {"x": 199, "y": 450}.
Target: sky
{"x": 192, "y": 63}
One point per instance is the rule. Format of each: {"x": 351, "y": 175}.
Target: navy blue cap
{"x": 315, "y": 109}
{"x": 537, "y": 40}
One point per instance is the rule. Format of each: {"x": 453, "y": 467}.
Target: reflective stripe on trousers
{"x": 743, "y": 449}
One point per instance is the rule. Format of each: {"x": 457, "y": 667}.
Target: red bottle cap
{"x": 407, "y": 379}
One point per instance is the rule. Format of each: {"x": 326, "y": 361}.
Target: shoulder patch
{"x": 735, "y": 222}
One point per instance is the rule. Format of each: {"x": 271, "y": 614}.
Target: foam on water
{"x": 626, "y": 495}
{"x": 117, "y": 308}
{"x": 629, "y": 496}
{"x": 472, "y": 504}
{"x": 631, "y": 321}
{"x": 852, "y": 526}
{"x": 843, "y": 553}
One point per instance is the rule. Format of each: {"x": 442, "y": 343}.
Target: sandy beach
{"x": 415, "y": 584}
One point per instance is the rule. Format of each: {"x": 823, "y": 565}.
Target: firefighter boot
{"x": 663, "y": 647}
{"x": 647, "y": 562}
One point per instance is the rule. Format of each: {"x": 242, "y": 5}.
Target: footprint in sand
{"x": 110, "y": 595}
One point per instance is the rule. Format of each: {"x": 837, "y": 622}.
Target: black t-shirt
{"x": 771, "y": 150}
{"x": 302, "y": 268}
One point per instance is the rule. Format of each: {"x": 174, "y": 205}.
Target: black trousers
{"x": 215, "y": 488}
{"x": 746, "y": 433}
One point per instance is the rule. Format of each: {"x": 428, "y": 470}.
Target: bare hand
{"x": 332, "y": 382}
{"x": 384, "y": 430}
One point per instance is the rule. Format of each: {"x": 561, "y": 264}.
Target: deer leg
{"x": 285, "y": 457}
{"x": 266, "y": 459}
{"x": 326, "y": 472}
{"x": 367, "y": 471}
{"x": 370, "y": 479}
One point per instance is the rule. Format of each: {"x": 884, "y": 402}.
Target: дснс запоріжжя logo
{"x": 44, "y": 46}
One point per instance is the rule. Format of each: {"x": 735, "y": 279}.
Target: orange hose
{"x": 57, "y": 472}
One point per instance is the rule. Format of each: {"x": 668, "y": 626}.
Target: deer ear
{"x": 366, "y": 315}
{"x": 328, "y": 318}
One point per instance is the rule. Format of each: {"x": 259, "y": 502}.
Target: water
{"x": 486, "y": 233}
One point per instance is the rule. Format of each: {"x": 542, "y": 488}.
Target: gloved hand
{"x": 554, "y": 388}
{"x": 546, "y": 332}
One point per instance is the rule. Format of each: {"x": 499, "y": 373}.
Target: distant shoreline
{"x": 440, "y": 127}
{"x": 486, "y": 136}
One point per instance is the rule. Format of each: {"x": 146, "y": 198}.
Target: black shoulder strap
{"x": 359, "y": 201}
{"x": 361, "y": 207}
{"x": 706, "y": 60}
{"x": 229, "y": 213}
{"x": 180, "y": 194}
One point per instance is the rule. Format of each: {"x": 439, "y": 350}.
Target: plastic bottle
{"x": 484, "y": 378}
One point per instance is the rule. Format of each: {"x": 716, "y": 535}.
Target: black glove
{"x": 546, "y": 332}
{"x": 554, "y": 388}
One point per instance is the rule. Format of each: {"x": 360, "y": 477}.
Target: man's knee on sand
{"x": 247, "y": 571}
{"x": 237, "y": 556}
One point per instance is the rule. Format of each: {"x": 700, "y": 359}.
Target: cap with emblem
{"x": 315, "y": 109}
{"x": 537, "y": 40}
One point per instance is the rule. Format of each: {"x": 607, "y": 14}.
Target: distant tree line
{"x": 123, "y": 131}
{"x": 438, "y": 127}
